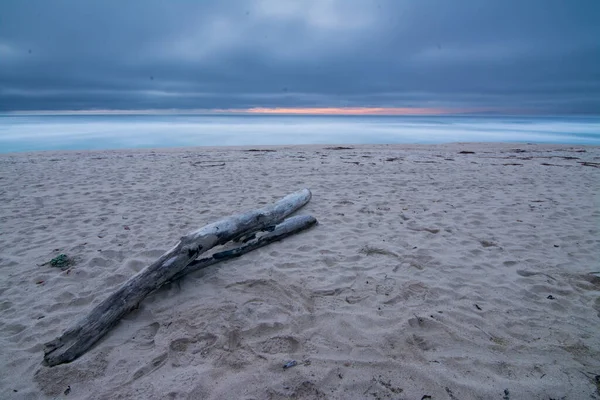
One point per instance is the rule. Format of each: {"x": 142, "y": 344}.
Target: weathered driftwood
{"x": 82, "y": 335}
{"x": 287, "y": 228}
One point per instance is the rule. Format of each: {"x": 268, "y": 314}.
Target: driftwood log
{"x": 174, "y": 264}
{"x": 280, "y": 231}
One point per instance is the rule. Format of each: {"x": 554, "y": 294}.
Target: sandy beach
{"x": 456, "y": 271}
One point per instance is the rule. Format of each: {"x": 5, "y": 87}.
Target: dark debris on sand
{"x": 61, "y": 261}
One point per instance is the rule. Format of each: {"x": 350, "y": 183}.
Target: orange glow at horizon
{"x": 356, "y": 111}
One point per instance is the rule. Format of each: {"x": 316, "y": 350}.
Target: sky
{"x": 265, "y": 56}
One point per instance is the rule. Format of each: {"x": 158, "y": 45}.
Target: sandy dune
{"x": 431, "y": 273}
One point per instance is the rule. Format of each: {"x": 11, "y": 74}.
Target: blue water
{"x": 31, "y": 133}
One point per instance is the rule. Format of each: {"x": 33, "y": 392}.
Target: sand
{"x": 431, "y": 273}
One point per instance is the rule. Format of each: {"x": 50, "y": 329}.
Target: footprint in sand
{"x": 386, "y": 287}
{"x": 190, "y": 351}
{"x": 420, "y": 342}
{"x": 411, "y": 293}
{"x": 144, "y": 337}
{"x": 155, "y": 364}
{"x": 279, "y": 344}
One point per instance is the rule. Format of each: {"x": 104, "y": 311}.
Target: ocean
{"x": 20, "y": 133}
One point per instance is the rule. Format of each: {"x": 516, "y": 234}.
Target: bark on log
{"x": 82, "y": 335}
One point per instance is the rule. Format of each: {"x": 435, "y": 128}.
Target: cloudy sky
{"x": 522, "y": 56}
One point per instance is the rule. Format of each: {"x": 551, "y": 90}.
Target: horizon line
{"x": 307, "y": 111}
{"x": 263, "y": 111}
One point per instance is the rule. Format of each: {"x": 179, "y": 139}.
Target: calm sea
{"x": 31, "y": 133}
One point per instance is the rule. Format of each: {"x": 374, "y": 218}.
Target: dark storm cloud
{"x": 536, "y": 55}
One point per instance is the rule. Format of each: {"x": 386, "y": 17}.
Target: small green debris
{"x": 61, "y": 261}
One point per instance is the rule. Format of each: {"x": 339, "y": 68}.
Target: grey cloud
{"x": 537, "y": 54}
